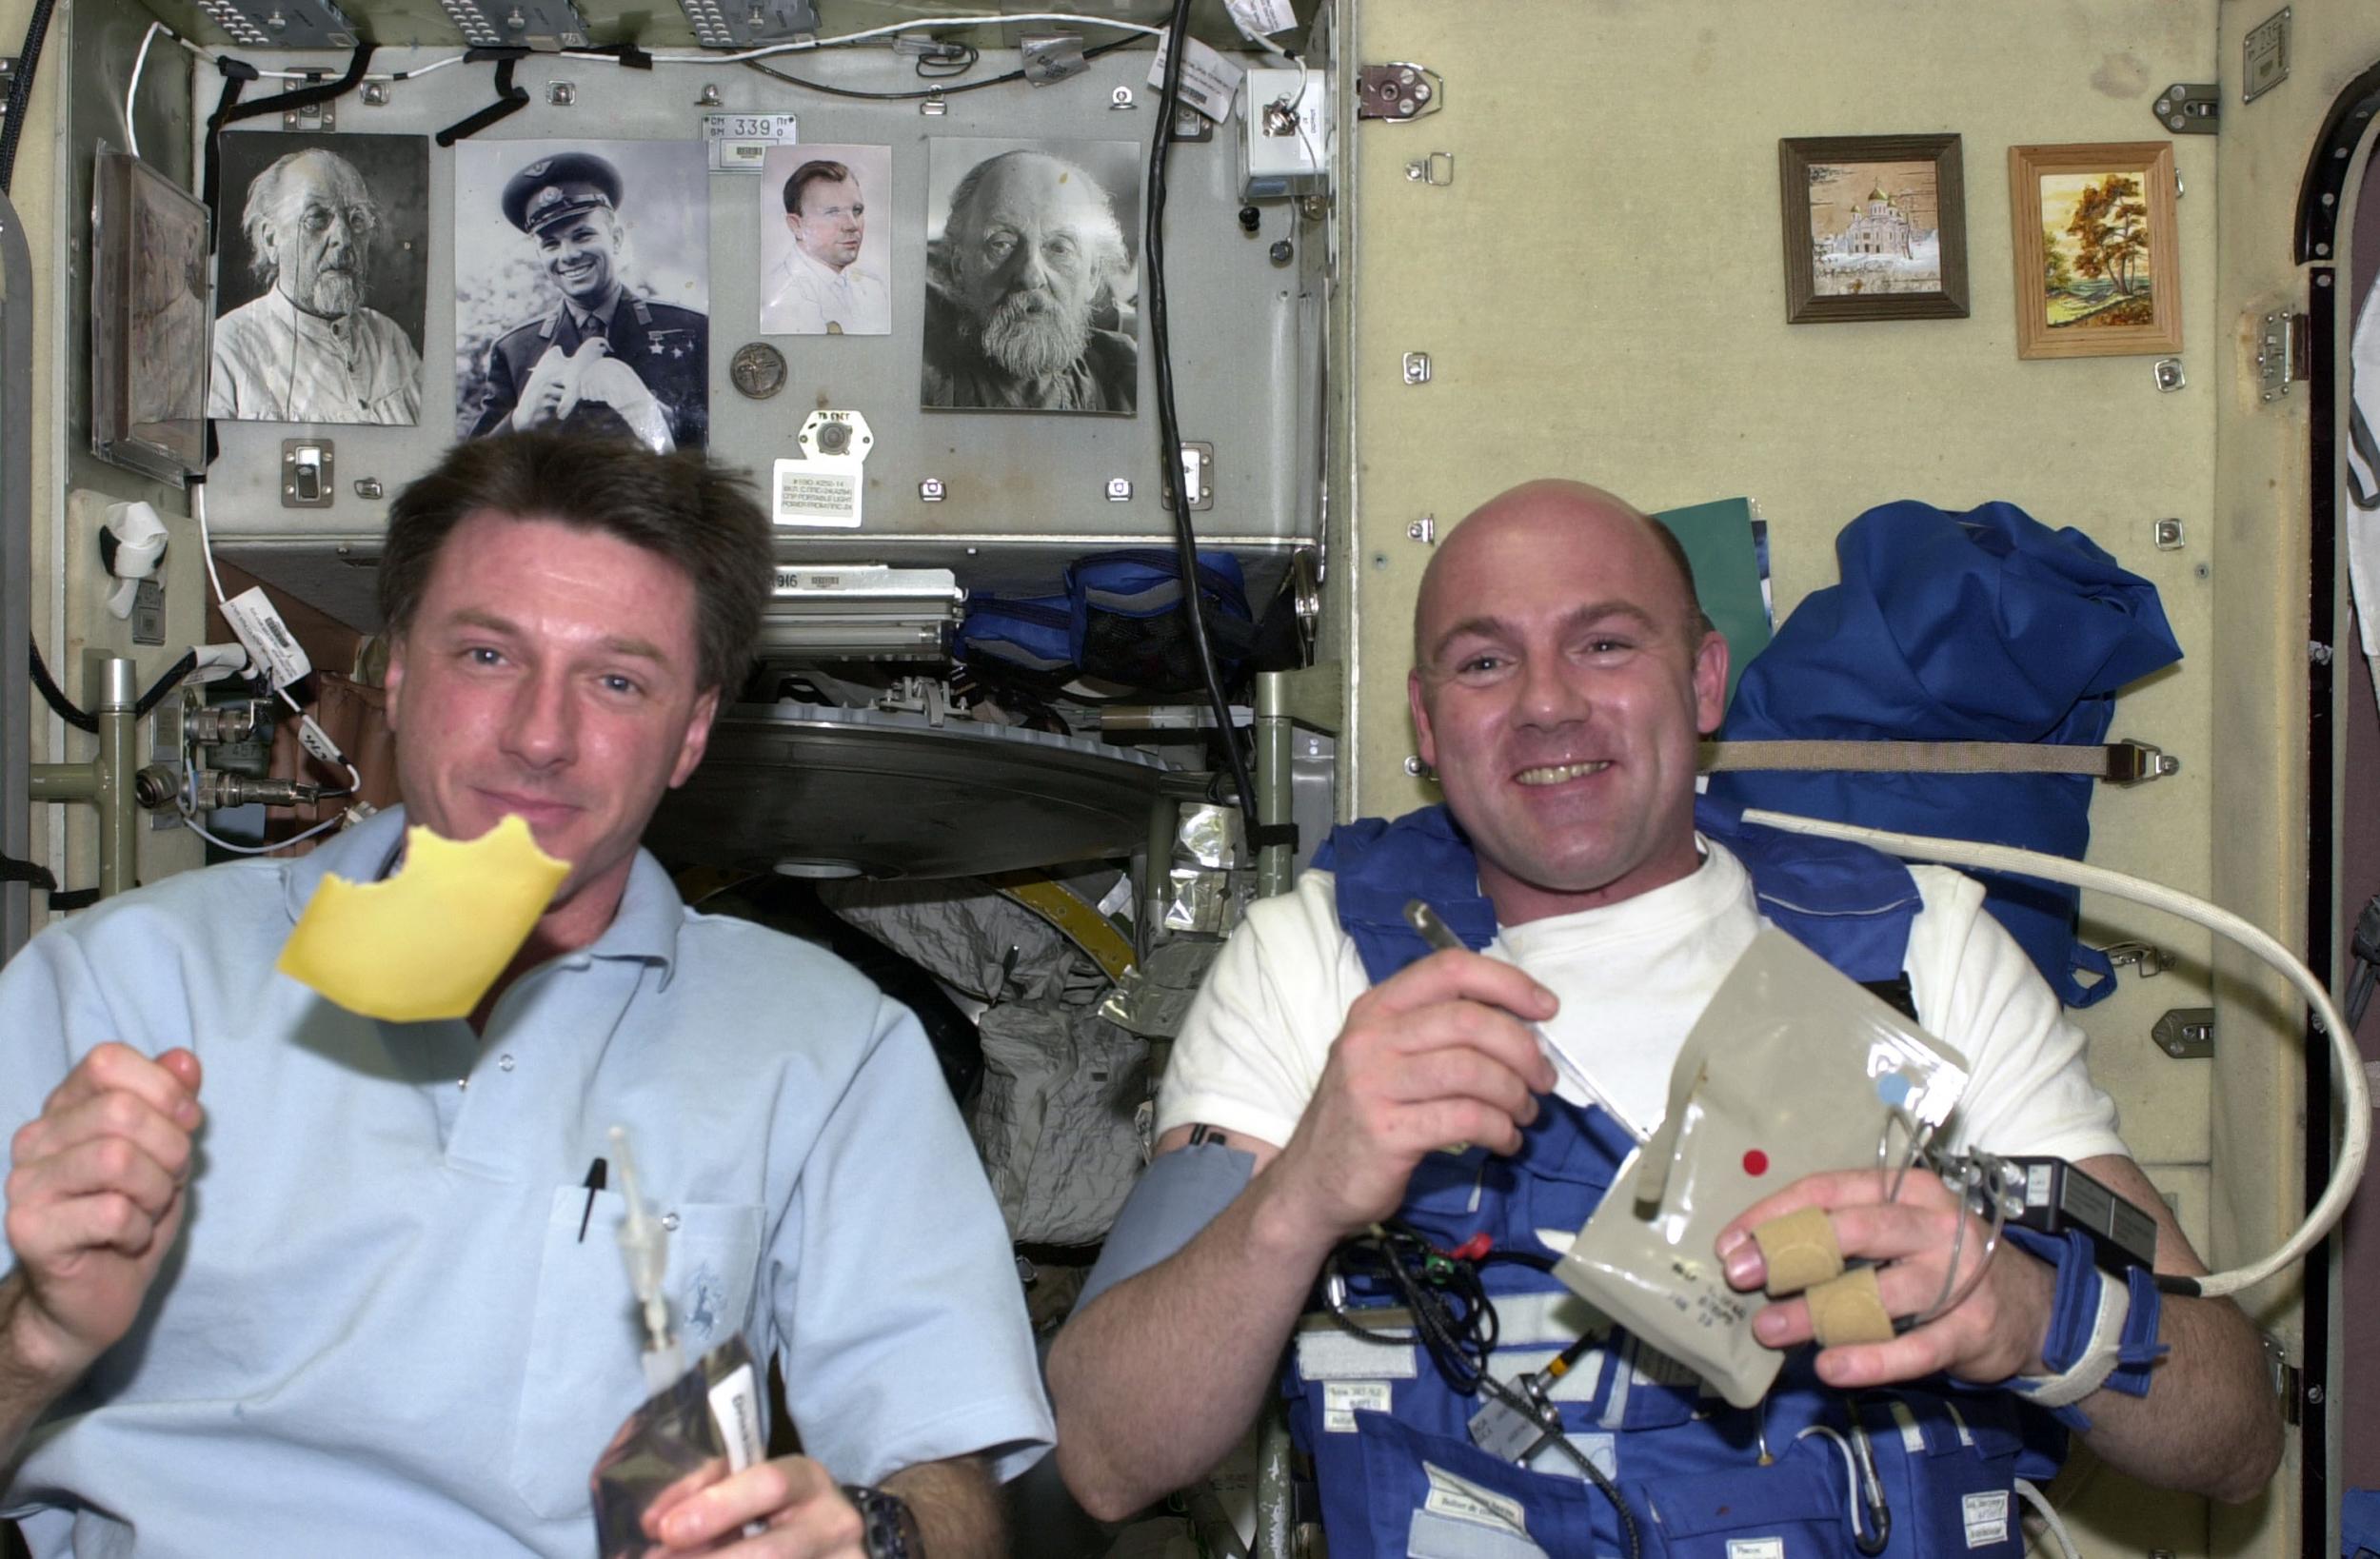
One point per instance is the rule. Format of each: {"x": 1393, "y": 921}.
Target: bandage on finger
{"x": 1800, "y": 1250}
{"x": 1848, "y": 1309}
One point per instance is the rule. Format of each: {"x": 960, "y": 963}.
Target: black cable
{"x": 236, "y": 76}
{"x": 1168, "y": 427}
{"x": 1456, "y": 1322}
{"x": 51, "y": 694}
{"x": 309, "y": 97}
{"x": 952, "y": 90}
{"x": 166, "y": 683}
{"x": 510, "y": 99}
{"x": 21, "y": 88}
{"x": 946, "y": 67}
{"x": 82, "y": 720}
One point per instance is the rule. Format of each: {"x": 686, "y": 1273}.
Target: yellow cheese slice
{"x": 428, "y": 943}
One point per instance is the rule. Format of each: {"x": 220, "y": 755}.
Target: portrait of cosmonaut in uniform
{"x": 1032, "y": 288}
{"x": 323, "y": 279}
{"x": 588, "y": 310}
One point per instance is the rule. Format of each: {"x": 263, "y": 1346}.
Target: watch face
{"x": 889, "y": 1531}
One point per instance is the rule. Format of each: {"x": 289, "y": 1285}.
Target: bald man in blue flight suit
{"x": 1564, "y": 673}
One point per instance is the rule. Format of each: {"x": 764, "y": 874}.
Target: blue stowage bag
{"x": 1120, "y": 621}
{"x": 2359, "y": 1523}
{"x": 1982, "y": 627}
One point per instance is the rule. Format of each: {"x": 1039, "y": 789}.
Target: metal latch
{"x": 2287, "y": 1381}
{"x": 2192, "y": 108}
{"x": 1198, "y": 471}
{"x": 2281, "y": 345}
{"x": 2186, "y": 1034}
{"x": 2151, "y": 958}
{"x": 307, "y": 468}
{"x": 2130, "y": 763}
{"x": 1396, "y": 92}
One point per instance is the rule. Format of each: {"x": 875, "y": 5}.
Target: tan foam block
{"x": 1800, "y": 1250}
{"x": 1850, "y": 1310}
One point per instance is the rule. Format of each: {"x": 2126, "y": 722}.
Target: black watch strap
{"x": 888, "y": 1528}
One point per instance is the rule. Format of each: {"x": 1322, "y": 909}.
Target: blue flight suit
{"x": 1702, "y": 1480}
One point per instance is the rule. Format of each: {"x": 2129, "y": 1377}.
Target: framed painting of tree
{"x": 2099, "y": 259}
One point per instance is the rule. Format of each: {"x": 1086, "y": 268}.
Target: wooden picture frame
{"x": 2098, "y": 255}
{"x": 1875, "y": 227}
{"x": 148, "y": 320}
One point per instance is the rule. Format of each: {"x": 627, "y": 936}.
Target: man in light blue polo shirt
{"x": 280, "y": 1278}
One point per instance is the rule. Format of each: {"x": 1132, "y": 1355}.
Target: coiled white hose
{"x": 2354, "y": 1094}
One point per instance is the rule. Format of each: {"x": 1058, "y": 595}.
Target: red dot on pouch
{"x": 1756, "y": 1162}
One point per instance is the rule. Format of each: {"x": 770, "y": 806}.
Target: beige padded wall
{"x": 1600, "y": 293}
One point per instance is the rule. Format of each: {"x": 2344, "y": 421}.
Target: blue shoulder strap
{"x": 1851, "y": 905}
{"x": 1378, "y": 866}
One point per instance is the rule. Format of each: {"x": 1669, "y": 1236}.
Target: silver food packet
{"x": 703, "y": 1425}
{"x": 1792, "y": 1070}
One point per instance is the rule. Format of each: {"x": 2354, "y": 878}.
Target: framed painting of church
{"x": 1875, "y": 227}
{"x": 2098, "y": 258}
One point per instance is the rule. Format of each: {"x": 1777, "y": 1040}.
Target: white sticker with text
{"x": 1208, "y": 80}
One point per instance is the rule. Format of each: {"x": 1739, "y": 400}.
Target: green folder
{"x": 1718, "y": 538}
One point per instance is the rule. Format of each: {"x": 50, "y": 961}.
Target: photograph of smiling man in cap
{"x": 322, "y": 278}
{"x": 589, "y": 312}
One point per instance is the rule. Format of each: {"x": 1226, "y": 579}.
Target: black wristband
{"x": 889, "y": 1531}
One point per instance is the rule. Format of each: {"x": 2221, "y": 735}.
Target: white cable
{"x": 707, "y": 56}
{"x": 206, "y": 551}
{"x": 189, "y": 819}
{"x": 2356, "y": 1096}
{"x": 804, "y": 46}
{"x": 1850, "y": 1465}
{"x": 2050, "y": 1518}
{"x": 205, "y": 536}
{"x": 132, "y": 88}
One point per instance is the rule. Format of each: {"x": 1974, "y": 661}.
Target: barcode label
{"x": 266, "y": 638}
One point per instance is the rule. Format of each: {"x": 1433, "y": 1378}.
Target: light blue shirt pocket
{"x": 583, "y": 1374}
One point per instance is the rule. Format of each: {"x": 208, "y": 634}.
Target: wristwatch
{"x": 889, "y": 1531}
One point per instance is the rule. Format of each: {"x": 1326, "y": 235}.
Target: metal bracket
{"x": 1398, "y": 92}
{"x": 309, "y": 467}
{"x": 2186, "y": 1034}
{"x": 1417, "y": 367}
{"x": 2281, "y": 343}
{"x": 2192, "y": 108}
{"x": 2152, "y": 960}
{"x": 1424, "y": 530}
{"x": 2287, "y": 1379}
{"x": 314, "y": 117}
{"x": 1198, "y": 469}
{"x": 8, "y": 75}
{"x": 1438, "y": 168}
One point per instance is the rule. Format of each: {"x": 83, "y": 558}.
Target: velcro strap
{"x": 2123, "y": 762}
{"x": 1848, "y": 1309}
{"x": 1800, "y": 1250}
{"x": 2102, "y": 1333}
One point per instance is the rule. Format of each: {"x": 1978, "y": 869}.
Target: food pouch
{"x": 1793, "y": 1069}
{"x": 703, "y": 1426}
